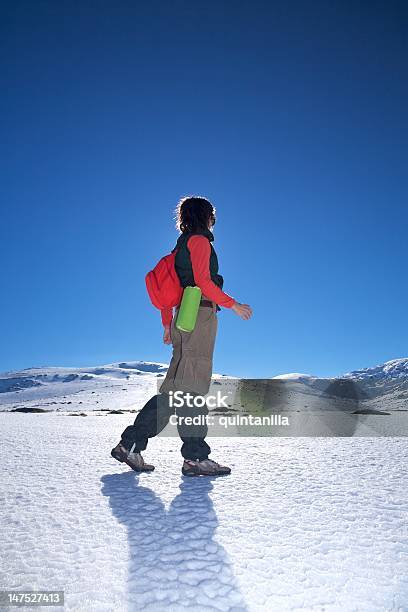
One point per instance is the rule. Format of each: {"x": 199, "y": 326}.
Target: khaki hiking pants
{"x": 191, "y": 364}
{"x": 190, "y": 370}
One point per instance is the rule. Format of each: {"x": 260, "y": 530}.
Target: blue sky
{"x": 290, "y": 117}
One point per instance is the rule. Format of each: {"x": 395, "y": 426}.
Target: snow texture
{"x": 313, "y": 524}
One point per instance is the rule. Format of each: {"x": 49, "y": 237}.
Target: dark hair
{"x": 193, "y": 213}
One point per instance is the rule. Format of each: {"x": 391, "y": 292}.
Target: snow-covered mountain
{"x": 388, "y": 380}
{"x": 384, "y": 386}
{"x": 393, "y": 369}
{"x": 293, "y": 376}
{"x": 37, "y": 377}
{"x": 125, "y": 386}
{"x": 396, "y": 368}
{"x": 115, "y": 386}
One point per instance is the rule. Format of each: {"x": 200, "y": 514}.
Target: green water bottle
{"x": 188, "y": 311}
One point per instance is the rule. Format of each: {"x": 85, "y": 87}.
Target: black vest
{"x": 183, "y": 260}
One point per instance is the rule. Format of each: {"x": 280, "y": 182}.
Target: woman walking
{"x": 191, "y": 364}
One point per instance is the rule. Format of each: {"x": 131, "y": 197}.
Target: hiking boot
{"x": 133, "y": 460}
{"x": 206, "y": 467}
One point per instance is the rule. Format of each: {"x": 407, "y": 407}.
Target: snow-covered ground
{"x": 314, "y": 524}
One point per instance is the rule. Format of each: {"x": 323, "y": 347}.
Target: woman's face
{"x": 211, "y": 221}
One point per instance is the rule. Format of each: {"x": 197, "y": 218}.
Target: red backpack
{"x": 163, "y": 284}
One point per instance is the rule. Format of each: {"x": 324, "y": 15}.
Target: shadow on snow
{"x": 174, "y": 560}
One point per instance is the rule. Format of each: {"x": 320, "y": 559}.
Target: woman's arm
{"x": 200, "y": 251}
{"x": 166, "y": 316}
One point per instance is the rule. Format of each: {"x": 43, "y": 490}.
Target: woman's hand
{"x": 166, "y": 335}
{"x": 242, "y": 310}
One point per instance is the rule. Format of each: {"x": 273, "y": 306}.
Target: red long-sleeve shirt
{"x": 200, "y": 251}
